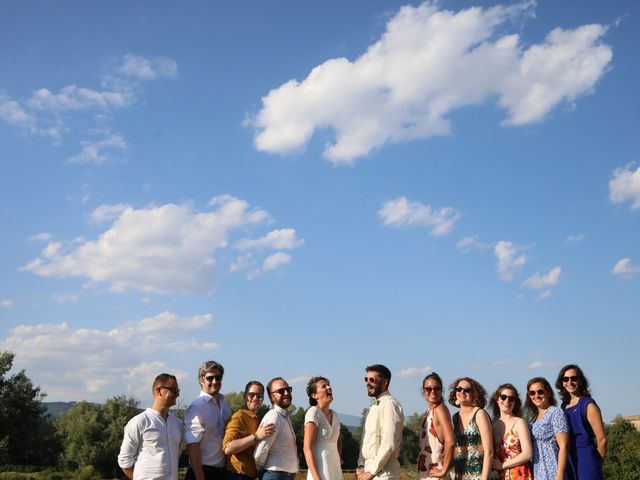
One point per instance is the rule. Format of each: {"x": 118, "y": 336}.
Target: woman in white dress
{"x": 322, "y": 444}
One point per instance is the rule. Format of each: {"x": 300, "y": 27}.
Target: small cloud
{"x": 625, "y": 269}
{"x": 400, "y": 212}
{"x": 509, "y": 259}
{"x": 40, "y": 237}
{"x": 540, "y": 364}
{"x": 299, "y": 380}
{"x": 414, "y": 372}
{"x": 277, "y": 260}
{"x": 66, "y": 297}
{"x": 469, "y": 244}
{"x": 107, "y": 213}
{"x": 142, "y": 68}
{"x": 575, "y": 238}
{"x": 544, "y": 295}
{"x": 100, "y": 152}
{"x": 625, "y": 186}
{"x": 7, "y": 303}
{"x": 284, "y": 238}
{"x": 538, "y": 281}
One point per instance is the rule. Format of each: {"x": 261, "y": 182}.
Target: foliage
{"x": 236, "y": 401}
{"x": 350, "y": 449}
{"x": 26, "y": 435}
{"x": 409, "y": 447}
{"x": 93, "y": 434}
{"x": 623, "y": 456}
{"x": 414, "y": 423}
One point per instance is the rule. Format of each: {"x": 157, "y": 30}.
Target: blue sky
{"x": 307, "y": 188}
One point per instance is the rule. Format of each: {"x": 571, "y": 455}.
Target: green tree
{"x": 26, "y": 435}
{"x": 409, "y": 447}
{"x": 93, "y": 434}
{"x": 350, "y": 448}
{"x": 623, "y": 455}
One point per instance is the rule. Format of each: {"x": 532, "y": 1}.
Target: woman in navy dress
{"x": 587, "y": 440}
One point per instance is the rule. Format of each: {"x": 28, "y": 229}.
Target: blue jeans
{"x": 271, "y": 475}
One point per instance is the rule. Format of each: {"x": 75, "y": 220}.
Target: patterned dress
{"x": 511, "y": 448}
{"x": 545, "y": 446}
{"x": 431, "y": 448}
{"x": 469, "y": 454}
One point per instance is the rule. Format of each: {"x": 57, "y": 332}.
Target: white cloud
{"x": 469, "y": 244}
{"x": 66, "y": 297}
{"x": 407, "y": 83}
{"x": 509, "y": 259}
{"x": 401, "y": 212}
{"x": 276, "y": 260}
{"x": 284, "y": 238}
{"x": 540, "y": 364}
{"x": 144, "y": 68}
{"x": 299, "y": 380}
{"x": 538, "y": 281}
{"x": 414, "y": 372}
{"x": 40, "y": 237}
{"x": 100, "y": 151}
{"x": 73, "y": 98}
{"x": 164, "y": 248}
{"x": 624, "y": 268}
{"x": 7, "y": 303}
{"x": 52, "y": 352}
{"x": 625, "y": 186}
{"x": 12, "y": 113}
{"x": 575, "y": 238}
{"x": 544, "y": 295}
{"x": 107, "y": 213}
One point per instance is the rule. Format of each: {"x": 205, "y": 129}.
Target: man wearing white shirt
{"x": 151, "y": 445}
{"x": 205, "y": 420}
{"x": 277, "y": 454}
{"x": 382, "y": 432}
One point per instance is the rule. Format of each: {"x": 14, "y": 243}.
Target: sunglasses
{"x": 507, "y": 398}
{"x": 211, "y": 378}
{"x": 372, "y": 380}
{"x": 463, "y": 389}
{"x": 260, "y": 396}
{"x": 174, "y": 390}
{"x": 532, "y": 393}
{"x": 431, "y": 389}
{"x": 572, "y": 378}
{"x": 281, "y": 391}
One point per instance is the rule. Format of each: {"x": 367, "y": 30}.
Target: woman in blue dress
{"x": 587, "y": 439}
{"x": 549, "y": 432}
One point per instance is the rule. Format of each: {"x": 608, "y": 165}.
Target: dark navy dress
{"x": 584, "y": 459}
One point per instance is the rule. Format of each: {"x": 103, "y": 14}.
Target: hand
{"x": 496, "y": 464}
{"x": 363, "y": 475}
{"x": 437, "y": 472}
{"x": 265, "y": 430}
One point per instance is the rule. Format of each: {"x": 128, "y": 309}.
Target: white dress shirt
{"x": 382, "y": 436}
{"x": 152, "y": 446}
{"x": 278, "y": 451}
{"x": 204, "y": 424}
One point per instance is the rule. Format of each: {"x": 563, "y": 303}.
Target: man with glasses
{"x": 277, "y": 454}
{"x": 204, "y": 426}
{"x": 382, "y": 432}
{"x": 151, "y": 444}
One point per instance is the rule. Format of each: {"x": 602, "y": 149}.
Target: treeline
{"x": 83, "y": 443}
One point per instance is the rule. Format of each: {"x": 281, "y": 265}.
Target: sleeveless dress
{"x": 469, "y": 454}
{"x": 510, "y": 448}
{"x": 545, "y": 446}
{"x": 584, "y": 459}
{"x": 325, "y": 448}
{"x": 431, "y": 449}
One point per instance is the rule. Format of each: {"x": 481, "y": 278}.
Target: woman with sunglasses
{"x": 510, "y": 435}
{"x": 322, "y": 444}
{"x": 472, "y": 430}
{"x": 242, "y": 433}
{"x": 436, "y": 435}
{"x": 549, "y": 431}
{"x": 587, "y": 439}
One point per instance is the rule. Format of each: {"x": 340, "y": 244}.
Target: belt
{"x": 280, "y": 472}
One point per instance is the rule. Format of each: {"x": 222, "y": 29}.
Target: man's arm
{"x": 195, "y": 460}
{"x": 261, "y": 452}
{"x": 130, "y": 447}
{"x": 391, "y": 423}
{"x": 193, "y": 434}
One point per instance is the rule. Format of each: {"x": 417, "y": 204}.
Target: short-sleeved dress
{"x": 584, "y": 459}
{"x": 545, "y": 446}
{"x": 325, "y": 448}
{"x": 431, "y": 449}
{"x": 511, "y": 448}
{"x": 469, "y": 454}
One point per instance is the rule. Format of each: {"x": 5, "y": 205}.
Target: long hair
{"x": 312, "y": 388}
{"x": 583, "y": 383}
{"x": 479, "y": 393}
{"x": 529, "y": 407}
{"x": 493, "y": 401}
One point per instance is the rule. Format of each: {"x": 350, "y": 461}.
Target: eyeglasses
{"x": 507, "y": 398}
{"x": 375, "y": 380}
{"x": 174, "y": 390}
{"x": 260, "y": 396}
{"x": 281, "y": 391}
{"x": 463, "y": 389}
{"x": 572, "y": 378}
{"x": 532, "y": 393}
{"x": 431, "y": 389}
{"x": 211, "y": 378}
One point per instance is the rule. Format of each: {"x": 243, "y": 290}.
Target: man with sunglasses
{"x": 382, "y": 431}
{"x": 151, "y": 444}
{"x": 204, "y": 421}
{"x": 277, "y": 454}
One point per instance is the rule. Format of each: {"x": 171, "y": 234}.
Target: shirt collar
{"x": 282, "y": 411}
{"x": 382, "y": 396}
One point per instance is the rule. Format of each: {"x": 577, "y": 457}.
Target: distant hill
{"x": 349, "y": 420}
{"x": 55, "y": 409}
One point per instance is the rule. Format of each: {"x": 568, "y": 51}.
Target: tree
{"x": 350, "y": 448}
{"x": 93, "y": 433}
{"x": 26, "y": 435}
{"x": 623, "y": 456}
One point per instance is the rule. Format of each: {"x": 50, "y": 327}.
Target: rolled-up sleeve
{"x": 194, "y": 425}
{"x": 391, "y": 424}
{"x": 130, "y": 444}
{"x": 261, "y": 452}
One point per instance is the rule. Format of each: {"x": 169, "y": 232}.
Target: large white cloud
{"x": 92, "y": 363}
{"x": 539, "y": 281}
{"x": 510, "y": 260}
{"x": 157, "y": 249}
{"x": 624, "y": 268}
{"x": 428, "y": 63}
{"x": 625, "y": 186}
{"x": 401, "y": 212}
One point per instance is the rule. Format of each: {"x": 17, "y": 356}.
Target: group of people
{"x": 556, "y": 444}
